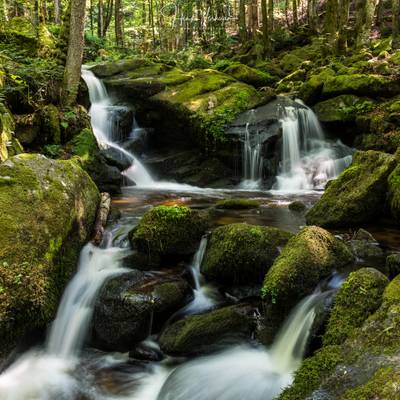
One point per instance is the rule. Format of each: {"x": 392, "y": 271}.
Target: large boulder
{"x": 202, "y": 333}
{"x": 133, "y": 305}
{"x": 343, "y": 108}
{"x": 47, "y": 211}
{"x": 248, "y": 75}
{"x": 357, "y": 196}
{"x": 365, "y": 365}
{"x": 242, "y": 253}
{"x": 169, "y": 232}
{"x": 394, "y": 193}
{"x": 308, "y": 257}
{"x": 360, "y": 85}
{"x": 358, "y": 298}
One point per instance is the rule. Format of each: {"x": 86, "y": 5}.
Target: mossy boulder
{"x": 202, "y": 333}
{"x": 393, "y": 265}
{"x": 132, "y": 306}
{"x": 47, "y": 211}
{"x": 311, "y": 89}
{"x": 242, "y": 253}
{"x": 169, "y": 231}
{"x": 237, "y": 204}
{"x": 361, "y": 85}
{"x": 107, "y": 69}
{"x": 394, "y": 193}
{"x": 249, "y": 75}
{"x": 359, "y": 297}
{"x": 357, "y": 195}
{"x": 308, "y": 257}
{"x": 297, "y": 206}
{"x": 9, "y": 145}
{"x": 342, "y": 108}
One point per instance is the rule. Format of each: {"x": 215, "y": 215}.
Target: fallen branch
{"x": 101, "y": 219}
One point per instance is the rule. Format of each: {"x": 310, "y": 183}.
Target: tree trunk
{"x": 295, "y": 17}
{"x": 108, "y": 16}
{"x": 242, "y": 21}
{"x": 343, "y": 18}
{"x": 270, "y": 16}
{"x": 312, "y": 15}
{"x": 265, "y": 28}
{"x": 254, "y": 17}
{"x": 396, "y": 24}
{"x": 57, "y": 12}
{"x": 365, "y": 10}
{"x": 331, "y": 22}
{"x": 101, "y": 218}
{"x": 119, "y": 35}
{"x": 72, "y": 71}
{"x": 100, "y": 19}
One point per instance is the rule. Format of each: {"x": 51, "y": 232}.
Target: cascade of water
{"x": 309, "y": 160}
{"x": 101, "y": 111}
{"x": 74, "y": 314}
{"x": 252, "y": 158}
{"x": 243, "y": 372}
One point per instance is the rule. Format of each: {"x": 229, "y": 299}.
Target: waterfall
{"x": 244, "y": 372}
{"x": 252, "y": 158}
{"x": 103, "y": 124}
{"x": 309, "y": 160}
{"x": 74, "y": 314}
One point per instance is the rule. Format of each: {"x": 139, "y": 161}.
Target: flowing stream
{"x": 63, "y": 368}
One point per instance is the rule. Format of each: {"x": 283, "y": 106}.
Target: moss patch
{"x": 237, "y": 204}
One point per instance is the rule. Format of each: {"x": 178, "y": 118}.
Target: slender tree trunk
{"x": 4, "y": 11}
{"x": 242, "y": 21}
{"x": 265, "y": 26}
{"x": 331, "y": 22}
{"x": 254, "y": 17}
{"x": 287, "y": 12}
{"x": 107, "y": 16}
{"x": 365, "y": 11}
{"x": 151, "y": 20}
{"x": 343, "y": 18}
{"x": 119, "y": 34}
{"x": 100, "y": 19}
{"x": 312, "y": 15}
{"x": 57, "y": 12}
{"x": 396, "y": 23}
{"x": 91, "y": 17}
{"x": 72, "y": 71}
{"x": 271, "y": 16}
{"x": 295, "y": 17}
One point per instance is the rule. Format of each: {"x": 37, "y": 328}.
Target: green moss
{"x": 384, "y": 385}
{"x": 307, "y": 258}
{"x": 237, "y": 204}
{"x": 85, "y": 146}
{"x": 7, "y": 127}
{"x": 297, "y": 206}
{"x": 392, "y": 265}
{"x": 357, "y": 195}
{"x": 311, "y": 90}
{"x": 360, "y": 85}
{"x": 359, "y": 297}
{"x": 169, "y": 230}
{"x": 196, "y": 333}
{"x": 47, "y": 210}
{"x": 242, "y": 253}
{"x": 343, "y": 108}
{"x": 394, "y": 193}
{"x": 248, "y": 75}
{"x": 107, "y": 69}
{"x": 50, "y": 125}
{"x": 312, "y": 373}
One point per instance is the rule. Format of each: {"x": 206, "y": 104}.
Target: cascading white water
{"x": 100, "y": 112}
{"x": 252, "y": 158}
{"x": 309, "y": 160}
{"x": 205, "y": 295}
{"x": 245, "y": 372}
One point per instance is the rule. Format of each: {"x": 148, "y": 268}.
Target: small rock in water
{"x": 116, "y": 158}
{"x": 297, "y": 206}
{"x": 364, "y": 245}
{"x": 393, "y": 265}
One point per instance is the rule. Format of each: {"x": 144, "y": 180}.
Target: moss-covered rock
{"x": 360, "y": 85}
{"x": 134, "y": 305}
{"x": 169, "y": 231}
{"x": 394, "y": 193}
{"x": 343, "y": 108}
{"x": 311, "y": 89}
{"x": 357, "y": 195}
{"x": 359, "y": 297}
{"x": 392, "y": 265}
{"x": 107, "y": 69}
{"x": 297, "y": 206}
{"x": 50, "y": 125}
{"x": 237, "y": 204}
{"x": 47, "y": 210}
{"x": 308, "y": 257}
{"x": 201, "y": 333}
{"x": 242, "y": 253}
{"x": 9, "y": 145}
{"x": 249, "y": 75}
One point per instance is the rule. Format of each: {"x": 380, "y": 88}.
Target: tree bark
{"x": 119, "y": 34}
{"x": 343, "y": 18}
{"x": 100, "y": 19}
{"x": 57, "y": 12}
{"x": 270, "y": 16}
{"x": 365, "y": 10}
{"x": 265, "y": 26}
{"x": 242, "y": 21}
{"x": 295, "y": 17}
{"x": 331, "y": 22}
{"x": 108, "y": 16}
{"x": 396, "y": 24}
{"x": 72, "y": 71}
{"x": 101, "y": 219}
